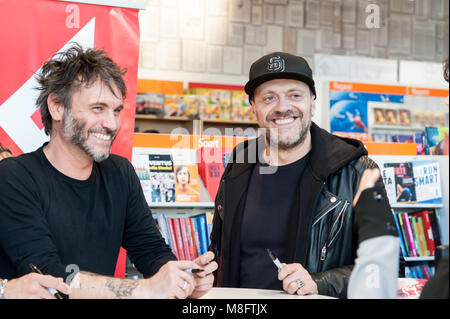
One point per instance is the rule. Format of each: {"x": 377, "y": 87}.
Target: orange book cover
{"x": 186, "y": 183}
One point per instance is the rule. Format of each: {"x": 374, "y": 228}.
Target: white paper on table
{"x": 214, "y": 58}
{"x": 149, "y": 24}
{"x": 169, "y": 51}
{"x": 256, "y": 14}
{"x": 216, "y": 30}
{"x": 194, "y": 55}
{"x": 306, "y": 42}
{"x": 312, "y": 14}
{"x": 239, "y": 11}
{"x": 168, "y": 23}
{"x": 269, "y": 14}
{"x": 232, "y": 60}
{"x": 295, "y": 14}
{"x": 191, "y": 14}
{"x": 235, "y": 34}
{"x": 274, "y": 38}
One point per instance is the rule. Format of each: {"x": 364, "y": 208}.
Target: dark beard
{"x": 73, "y": 130}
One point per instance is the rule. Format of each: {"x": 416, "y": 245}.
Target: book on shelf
{"x": 419, "y": 270}
{"x": 436, "y": 140}
{"x": 418, "y": 232}
{"x": 150, "y": 103}
{"x": 188, "y": 237}
{"x": 415, "y": 182}
{"x": 168, "y": 175}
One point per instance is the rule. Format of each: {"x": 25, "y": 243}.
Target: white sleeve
{"x": 376, "y": 269}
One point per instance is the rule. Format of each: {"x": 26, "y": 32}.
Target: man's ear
{"x": 55, "y": 108}
{"x": 313, "y": 107}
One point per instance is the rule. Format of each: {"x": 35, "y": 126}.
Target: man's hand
{"x": 291, "y": 273}
{"x": 34, "y": 286}
{"x": 171, "y": 281}
{"x": 205, "y": 279}
{"x": 368, "y": 180}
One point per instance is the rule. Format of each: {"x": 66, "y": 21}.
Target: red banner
{"x": 32, "y": 31}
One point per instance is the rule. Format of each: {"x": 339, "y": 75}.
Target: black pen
{"x": 53, "y": 291}
{"x": 193, "y": 270}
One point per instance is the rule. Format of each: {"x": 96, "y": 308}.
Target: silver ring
{"x": 300, "y": 283}
{"x": 184, "y": 285}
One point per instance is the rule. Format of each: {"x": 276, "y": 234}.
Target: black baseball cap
{"x": 279, "y": 65}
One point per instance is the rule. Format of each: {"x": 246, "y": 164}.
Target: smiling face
{"x": 93, "y": 120}
{"x": 183, "y": 177}
{"x": 285, "y": 108}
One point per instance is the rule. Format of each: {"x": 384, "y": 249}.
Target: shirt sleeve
{"x": 25, "y": 236}
{"x": 376, "y": 269}
{"x": 143, "y": 241}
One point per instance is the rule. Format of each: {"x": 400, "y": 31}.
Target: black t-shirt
{"x": 265, "y": 222}
{"x": 53, "y": 221}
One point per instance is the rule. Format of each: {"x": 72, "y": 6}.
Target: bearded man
{"x": 70, "y": 205}
{"x": 290, "y": 191}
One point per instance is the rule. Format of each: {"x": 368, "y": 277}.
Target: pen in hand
{"x": 53, "y": 291}
{"x": 275, "y": 260}
{"x": 193, "y": 270}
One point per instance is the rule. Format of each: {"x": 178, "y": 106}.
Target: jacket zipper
{"x": 323, "y": 251}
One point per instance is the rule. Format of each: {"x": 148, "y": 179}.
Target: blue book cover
{"x": 431, "y": 139}
{"x": 202, "y": 230}
{"x": 402, "y": 245}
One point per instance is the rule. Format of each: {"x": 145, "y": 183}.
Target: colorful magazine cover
{"x": 186, "y": 183}
{"x": 150, "y": 103}
{"x": 402, "y": 179}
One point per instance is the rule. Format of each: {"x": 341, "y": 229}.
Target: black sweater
{"x": 53, "y": 221}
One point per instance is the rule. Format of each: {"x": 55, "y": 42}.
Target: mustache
{"x": 276, "y": 114}
{"x": 113, "y": 133}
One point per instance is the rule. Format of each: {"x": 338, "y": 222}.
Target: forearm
{"x": 87, "y": 285}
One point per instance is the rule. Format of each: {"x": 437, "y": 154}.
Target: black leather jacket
{"x": 325, "y": 222}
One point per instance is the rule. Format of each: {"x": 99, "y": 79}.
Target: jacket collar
{"x": 329, "y": 153}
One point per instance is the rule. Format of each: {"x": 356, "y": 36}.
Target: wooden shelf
{"x": 231, "y": 122}
{"x": 159, "y": 118}
{"x": 412, "y": 206}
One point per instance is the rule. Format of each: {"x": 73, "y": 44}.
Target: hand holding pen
{"x": 296, "y": 279}
{"x": 46, "y": 282}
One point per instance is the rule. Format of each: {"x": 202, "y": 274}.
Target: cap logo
{"x": 276, "y": 64}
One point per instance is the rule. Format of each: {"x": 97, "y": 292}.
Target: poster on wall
{"x": 55, "y": 26}
{"x": 349, "y": 109}
{"x": 32, "y": 32}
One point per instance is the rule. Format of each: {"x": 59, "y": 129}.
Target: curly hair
{"x": 68, "y": 70}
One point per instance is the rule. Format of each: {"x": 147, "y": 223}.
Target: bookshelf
{"x": 185, "y": 125}
{"x": 414, "y": 211}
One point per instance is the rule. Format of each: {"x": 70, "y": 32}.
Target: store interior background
{"x": 215, "y": 41}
